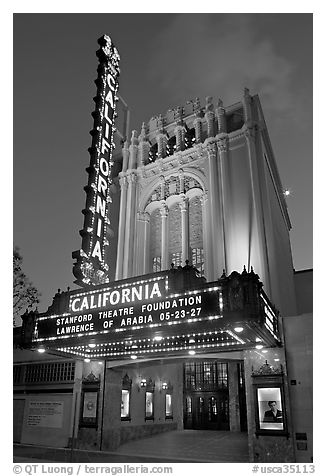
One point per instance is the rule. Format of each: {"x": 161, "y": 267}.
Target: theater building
{"x": 189, "y": 314}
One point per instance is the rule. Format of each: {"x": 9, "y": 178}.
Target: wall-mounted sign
{"x": 45, "y": 414}
{"x": 91, "y": 267}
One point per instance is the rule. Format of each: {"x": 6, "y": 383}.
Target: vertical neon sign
{"x": 91, "y": 267}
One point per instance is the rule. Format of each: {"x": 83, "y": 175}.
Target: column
{"x": 125, "y": 156}
{"x": 215, "y": 216}
{"x": 122, "y": 223}
{"x": 143, "y": 148}
{"x": 133, "y": 151}
{"x": 137, "y": 265}
{"x": 161, "y": 145}
{"x": 179, "y": 132}
{"x": 130, "y": 226}
{"x": 75, "y": 401}
{"x": 224, "y": 187}
{"x": 221, "y": 117}
{"x": 198, "y": 129}
{"x": 210, "y": 116}
{"x": 207, "y": 238}
{"x": 142, "y": 247}
{"x": 234, "y": 406}
{"x": 164, "y": 238}
{"x": 146, "y": 243}
{"x": 184, "y": 207}
{"x": 112, "y": 410}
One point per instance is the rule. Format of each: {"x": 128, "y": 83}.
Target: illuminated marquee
{"x": 91, "y": 267}
{"x": 136, "y": 305}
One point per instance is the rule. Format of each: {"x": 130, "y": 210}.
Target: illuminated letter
{"x": 106, "y": 114}
{"x": 104, "y": 167}
{"x": 84, "y": 304}
{"x": 107, "y": 131}
{"x": 136, "y": 293}
{"x": 105, "y": 147}
{"x": 99, "y": 227}
{"x": 110, "y": 82}
{"x": 105, "y": 298}
{"x": 109, "y": 98}
{"x": 73, "y": 307}
{"x": 97, "y": 251}
{"x": 100, "y": 205}
{"x": 114, "y": 297}
{"x": 125, "y": 295}
{"x": 155, "y": 291}
{"x": 102, "y": 185}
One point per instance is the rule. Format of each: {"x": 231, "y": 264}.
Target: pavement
{"x": 185, "y": 446}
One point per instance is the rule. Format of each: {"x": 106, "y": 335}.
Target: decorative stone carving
{"x": 91, "y": 378}
{"x": 267, "y": 369}
{"x": 126, "y": 382}
{"x": 222, "y": 144}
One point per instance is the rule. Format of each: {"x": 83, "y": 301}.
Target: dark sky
{"x": 166, "y": 59}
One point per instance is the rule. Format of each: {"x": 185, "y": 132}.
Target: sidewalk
{"x": 186, "y": 446}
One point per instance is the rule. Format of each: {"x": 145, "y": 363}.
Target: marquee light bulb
{"x": 238, "y": 329}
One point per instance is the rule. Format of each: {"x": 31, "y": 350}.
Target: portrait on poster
{"x": 270, "y": 409}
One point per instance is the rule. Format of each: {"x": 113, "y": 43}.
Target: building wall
{"x": 298, "y": 335}
{"x": 304, "y": 290}
{"x": 278, "y": 247}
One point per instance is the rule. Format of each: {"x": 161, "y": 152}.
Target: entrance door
{"x": 207, "y": 411}
{"x": 206, "y": 404}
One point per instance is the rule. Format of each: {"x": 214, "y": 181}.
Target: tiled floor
{"x": 195, "y": 445}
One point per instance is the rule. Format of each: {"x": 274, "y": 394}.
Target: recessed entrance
{"x": 206, "y": 396}
{"x": 207, "y": 411}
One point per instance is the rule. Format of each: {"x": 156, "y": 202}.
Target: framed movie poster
{"x": 269, "y": 401}
{"x": 270, "y": 409}
{"x": 89, "y": 409}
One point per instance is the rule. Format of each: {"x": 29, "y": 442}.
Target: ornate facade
{"x": 201, "y": 184}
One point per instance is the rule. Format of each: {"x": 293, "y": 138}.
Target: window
{"x": 176, "y": 258}
{"x": 125, "y": 405}
{"x": 188, "y": 405}
{"x": 149, "y": 406}
{"x": 156, "y": 264}
{"x": 207, "y": 375}
{"x": 168, "y": 406}
{"x": 50, "y": 372}
{"x": 197, "y": 259}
